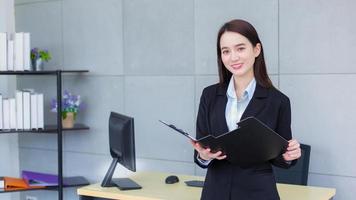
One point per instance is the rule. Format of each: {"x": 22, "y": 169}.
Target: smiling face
{"x": 238, "y": 54}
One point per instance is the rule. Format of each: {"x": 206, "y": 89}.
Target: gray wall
{"x": 151, "y": 59}
{"x": 9, "y": 153}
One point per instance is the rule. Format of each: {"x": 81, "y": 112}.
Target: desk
{"x": 153, "y": 188}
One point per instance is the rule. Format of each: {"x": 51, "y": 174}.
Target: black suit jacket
{"x": 226, "y": 181}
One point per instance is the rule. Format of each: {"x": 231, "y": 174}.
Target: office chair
{"x": 298, "y": 174}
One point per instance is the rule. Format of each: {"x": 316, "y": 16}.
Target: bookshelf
{"x": 50, "y": 129}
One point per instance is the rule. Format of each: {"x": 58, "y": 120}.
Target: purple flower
{"x": 40, "y": 53}
{"x": 70, "y": 103}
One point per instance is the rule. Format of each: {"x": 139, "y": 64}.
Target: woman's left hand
{"x": 293, "y": 150}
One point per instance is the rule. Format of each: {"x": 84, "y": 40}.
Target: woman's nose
{"x": 235, "y": 56}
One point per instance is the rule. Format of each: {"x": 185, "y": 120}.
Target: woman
{"x": 244, "y": 90}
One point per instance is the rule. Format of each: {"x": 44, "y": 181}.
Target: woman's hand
{"x": 293, "y": 150}
{"x": 206, "y": 154}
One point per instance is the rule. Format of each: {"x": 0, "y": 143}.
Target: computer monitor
{"x": 122, "y": 150}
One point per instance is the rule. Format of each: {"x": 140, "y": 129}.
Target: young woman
{"x": 244, "y": 90}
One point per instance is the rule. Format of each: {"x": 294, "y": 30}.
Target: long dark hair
{"x": 246, "y": 29}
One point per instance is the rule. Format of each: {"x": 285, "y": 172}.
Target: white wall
{"x": 9, "y": 153}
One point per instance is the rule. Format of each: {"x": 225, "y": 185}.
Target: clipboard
{"x": 178, "y": 130}
{"x": 251, "y": 143}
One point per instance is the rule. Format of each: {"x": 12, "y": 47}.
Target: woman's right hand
{"x": 206, "y": 154}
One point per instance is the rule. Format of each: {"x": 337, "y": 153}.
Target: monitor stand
{"x": 125, "y": 184}
{"x": 121, "y": 183}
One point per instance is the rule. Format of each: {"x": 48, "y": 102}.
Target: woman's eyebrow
{"x": 237, "y": 45}
{"x": 240, "y": 44}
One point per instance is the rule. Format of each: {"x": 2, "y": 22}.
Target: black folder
{"x": 252, "y": 142}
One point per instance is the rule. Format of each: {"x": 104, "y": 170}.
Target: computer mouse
{"x": 172, "y": 179}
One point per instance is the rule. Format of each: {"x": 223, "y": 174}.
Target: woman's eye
{"x": 225, "y": 52}
{"x": 241, "y": 49}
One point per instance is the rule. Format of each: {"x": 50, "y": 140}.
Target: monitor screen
{"x": 122, "y": 150}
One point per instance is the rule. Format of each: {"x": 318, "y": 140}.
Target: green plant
{"x": 40, "y": 53}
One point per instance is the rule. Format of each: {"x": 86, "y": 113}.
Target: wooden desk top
{"x": 298, "y": 192}
{"x": 154, "y": 187}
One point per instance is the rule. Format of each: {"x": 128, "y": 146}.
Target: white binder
{"x": 34, "y": 111}
{"x": 1, "y": 113}
{"x": 19, "y": 110}
{"x": 3, "y": 52}
{"x": 12, "y": 103}
{"x": 26, "y": 110}
{"x": 6, "y": 112}
{"x": 40, "y": 111}
{"x": 19, "y": 52}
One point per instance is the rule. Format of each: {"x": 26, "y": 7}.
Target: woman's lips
{"x": 236, "y": 66}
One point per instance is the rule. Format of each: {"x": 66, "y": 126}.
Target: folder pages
{"x": 252, "y": 142}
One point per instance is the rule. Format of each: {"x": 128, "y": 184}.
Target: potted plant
{"x": 71, "y": 104}
{"x": 38, "y": 56}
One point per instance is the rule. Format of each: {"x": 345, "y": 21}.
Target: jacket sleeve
{"x": 284, "y": 130}
{"x": 202, "y": 124}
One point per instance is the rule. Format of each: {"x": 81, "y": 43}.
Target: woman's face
{"x": 238, "y": 54}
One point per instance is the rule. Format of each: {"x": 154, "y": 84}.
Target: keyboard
{"x": 194, "y": 183}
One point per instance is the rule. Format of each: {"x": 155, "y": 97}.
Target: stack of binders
{"x": 24, "y": 112}
{"x": 15, "y": 51}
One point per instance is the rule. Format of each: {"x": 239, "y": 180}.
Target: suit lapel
{"x": 257, "y": 102}
{"x": 221, "y": 101}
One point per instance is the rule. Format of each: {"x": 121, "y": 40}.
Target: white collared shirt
{"x": 236, "y": 107}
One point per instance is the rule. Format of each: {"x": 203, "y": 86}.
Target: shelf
{"x": 75, "y": 181}
{"x": 47, "y": 72}
{"x": 19, "y": 190}
{"x": 52, "y": 129}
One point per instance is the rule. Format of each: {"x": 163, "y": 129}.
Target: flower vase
{"x": 37, "y": 64}
{"x": 68, "y": 122}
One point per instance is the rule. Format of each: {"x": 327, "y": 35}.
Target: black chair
{"x": 298, "y": 174}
